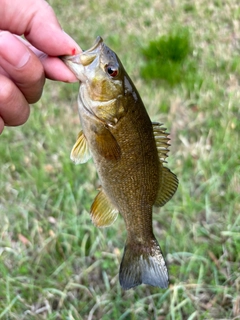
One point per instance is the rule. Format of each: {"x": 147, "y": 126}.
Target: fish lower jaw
{"x": 77, "y": 69}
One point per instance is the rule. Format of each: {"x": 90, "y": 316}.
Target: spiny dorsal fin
{"x": 161, "y": 139}
{"x": 80, "y": 152}
{"x": 103, "y": 212}
{"x": 168, "y": 186}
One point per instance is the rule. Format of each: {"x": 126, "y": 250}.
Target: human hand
{"x": 24, "y": 65}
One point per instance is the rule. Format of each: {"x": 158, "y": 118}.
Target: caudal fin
{"x": 143, "y": 264}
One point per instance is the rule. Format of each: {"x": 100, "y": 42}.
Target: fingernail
{"x": 76, "y": 47}
{"x": 13, "y": 51}
{"x": 21, "y": 62}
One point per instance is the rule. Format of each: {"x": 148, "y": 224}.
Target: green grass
{"x": 167, "y": 58}
{"x": 54, "y": 264}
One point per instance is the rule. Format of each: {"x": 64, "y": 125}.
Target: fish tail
{"x": 143, "y": 263}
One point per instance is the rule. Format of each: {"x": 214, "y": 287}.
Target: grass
{"x": 54, "y": 264}
{"x": 166, "y": 58}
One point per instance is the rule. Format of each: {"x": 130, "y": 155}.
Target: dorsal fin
{"x": 168, "y": 180}
{"x": 161, "y": 139}
{"x": 168, "y": 186}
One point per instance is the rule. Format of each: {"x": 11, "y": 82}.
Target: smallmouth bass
{"x": 128, "y": 151}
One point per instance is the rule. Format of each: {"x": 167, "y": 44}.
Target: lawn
{"x": 54, "y": 264}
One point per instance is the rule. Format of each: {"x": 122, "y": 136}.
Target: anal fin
{"x": 80, "y": 152}
{"x": 103, "y": 212}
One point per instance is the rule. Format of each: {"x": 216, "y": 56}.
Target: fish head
{"x": 99, "y": 70}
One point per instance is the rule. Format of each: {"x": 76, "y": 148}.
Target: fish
{"x": 129, "y": 153}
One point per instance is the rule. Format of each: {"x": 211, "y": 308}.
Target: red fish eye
{"x": 112, "y": 72}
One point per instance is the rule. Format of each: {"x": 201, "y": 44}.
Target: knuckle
{"x": 33, "y": 81}
{"x": 1, "y": 125}
{"x": 37, "y": 76}
{"x": 7, "y": 90}
{"x": 14, "y": 109}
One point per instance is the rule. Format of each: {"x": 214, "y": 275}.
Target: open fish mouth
{"x": 97, "y": 43}
{"x": 76, "y": 63}
{"x": 86, "y": 57}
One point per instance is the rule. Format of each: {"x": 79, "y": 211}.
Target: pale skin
{"x": 24, "y": 65}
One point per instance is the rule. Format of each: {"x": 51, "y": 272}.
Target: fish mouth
{"x": 97, "y": 43}
{"x": 83, "y": 59}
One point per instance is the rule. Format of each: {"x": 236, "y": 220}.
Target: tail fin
{"x": 143, "y": 264}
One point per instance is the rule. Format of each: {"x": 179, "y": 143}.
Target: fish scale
{"x": 128, "y": 151}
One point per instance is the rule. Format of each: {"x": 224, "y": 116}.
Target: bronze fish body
{"x": 128, "y": 151}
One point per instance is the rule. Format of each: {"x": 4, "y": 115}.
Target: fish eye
{"x": 113, "y": 72}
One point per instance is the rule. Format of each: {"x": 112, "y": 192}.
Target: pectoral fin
{"x": 103, "y": 212}
{"x": 80, "y": 152}
{"x": 106, "y": 144}
{"x": 168, "y": 186}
